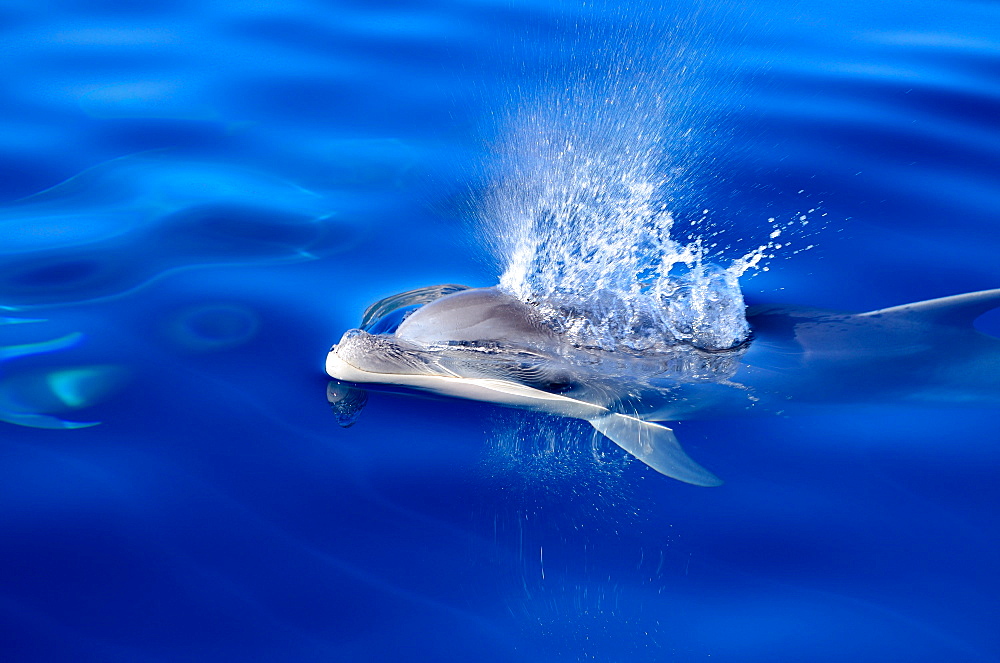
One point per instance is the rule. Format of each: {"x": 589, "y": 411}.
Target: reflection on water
{"x": 209, "y": 327}
{"x": 32, "y": 396}
{"x": 116, "y": 226}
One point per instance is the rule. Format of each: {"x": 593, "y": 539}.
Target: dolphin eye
{"x": 558, "y": 387}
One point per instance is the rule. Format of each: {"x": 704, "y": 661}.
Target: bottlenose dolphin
{"x": 483, "y": 344}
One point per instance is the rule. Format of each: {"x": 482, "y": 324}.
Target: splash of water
{"x": 580, "y": 221}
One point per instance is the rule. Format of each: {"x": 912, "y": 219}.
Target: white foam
{"x": 581, "y": 224}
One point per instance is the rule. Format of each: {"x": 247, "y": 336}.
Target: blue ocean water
{"x": 200, "y": 197}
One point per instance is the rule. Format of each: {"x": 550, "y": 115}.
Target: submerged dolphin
{"x": 483, "y": 344}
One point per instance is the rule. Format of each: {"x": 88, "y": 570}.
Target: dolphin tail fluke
{"x": 655, "y": 445}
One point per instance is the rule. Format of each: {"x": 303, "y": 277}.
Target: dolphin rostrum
{"x": 483, "y": 344}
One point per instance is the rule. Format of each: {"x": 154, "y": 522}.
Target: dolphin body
{"x": 483, "y": 344}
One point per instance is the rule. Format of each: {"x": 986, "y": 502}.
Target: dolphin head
{"x": 480, "y": 332}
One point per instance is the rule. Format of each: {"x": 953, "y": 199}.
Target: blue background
{"x": 237, "y": 181}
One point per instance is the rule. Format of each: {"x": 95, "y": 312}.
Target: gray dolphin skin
{"x": 482, "y": 344}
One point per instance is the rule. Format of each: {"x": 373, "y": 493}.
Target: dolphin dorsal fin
{"x": 956, "y": 310}
{"x": 655, "y": 445}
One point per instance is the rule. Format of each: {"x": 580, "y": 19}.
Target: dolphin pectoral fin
{"x": 655, "y": 445}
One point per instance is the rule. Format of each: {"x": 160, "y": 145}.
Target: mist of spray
{"x": 580, "y": 217}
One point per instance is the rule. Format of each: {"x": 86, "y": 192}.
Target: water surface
{"x": 198, "y": 198}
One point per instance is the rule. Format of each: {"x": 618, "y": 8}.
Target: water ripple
{"x": 119, "y": 225}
